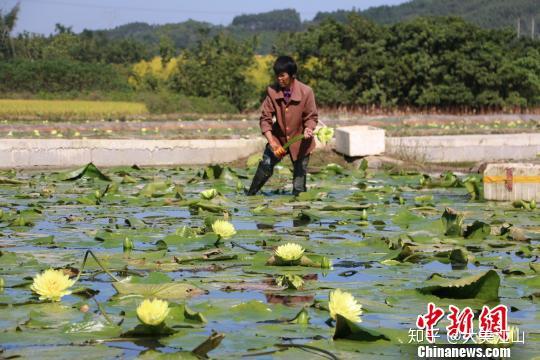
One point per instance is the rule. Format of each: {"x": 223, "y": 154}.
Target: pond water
{"x": 50, "y": 219}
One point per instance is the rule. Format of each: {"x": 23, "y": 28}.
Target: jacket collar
{"x": 295, "y": 95}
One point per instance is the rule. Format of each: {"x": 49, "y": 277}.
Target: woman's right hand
{"x": 278, "y": 150}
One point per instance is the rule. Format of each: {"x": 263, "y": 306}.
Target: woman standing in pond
{"x": 293, "y": 104}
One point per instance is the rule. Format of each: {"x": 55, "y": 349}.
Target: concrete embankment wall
{"x": 33, "y": 153}
{"x": 38, "y": 153}
{"x": 465, "y": 148}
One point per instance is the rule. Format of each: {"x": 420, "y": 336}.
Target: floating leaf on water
{"x": 363, "y": 165}
{"x": 202, "y": 205}
{"x": 20, "y": 221}
{"x": 314, "y": 194}
{"x": 335, "y": 168}
{"x": 290, "y": 281}
{"x": 459, "y": 256}
{"x": 302, "y": 318}
{"x": 303, "y": 261}
{"x": 127, "y": 179}
{"x": 254, "y": 160}
{"x": 135, "y": 223}
{"x": 517, "y": 234}
{"x": 484, "y": 286}
{"x": 46, "y": 240}
{"x": 520, "y": 204}
{"x": 89, "y": 170}
{"x": 405, "y": 218}
{"x": 10, "y": 181}
{"x": 143, "y": 330}
{"x": 155, "y": 189}
{"x": 347, "y": 329}
{"x": 423, "y": 200}
{"x": 472, "y": 184}
{"x": 309, "y": 215}
{"x": 535, "y": 267}
{"x": 186, "y": 231}
{"x": 477, "y": 230}
{"x": 215, "y": 172}
{"x": 452, "y": 222}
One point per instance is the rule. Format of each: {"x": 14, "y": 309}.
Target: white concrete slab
{"x": 28, "y": 153}
{"x": 465, "y": 148}
{"x": 359, "y": 140}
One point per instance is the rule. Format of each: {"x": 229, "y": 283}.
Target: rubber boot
{"x": 264, "y": 172}
{"x": 300, "y": 175}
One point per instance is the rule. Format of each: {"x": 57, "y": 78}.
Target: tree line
{"x": 442, "y": 62}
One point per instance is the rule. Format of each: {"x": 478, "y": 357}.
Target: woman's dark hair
{"x": 285, "y": 64}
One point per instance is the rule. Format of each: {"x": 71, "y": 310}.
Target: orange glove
{"x": 278, "y": 150}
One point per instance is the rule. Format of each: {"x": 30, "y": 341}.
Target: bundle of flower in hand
{"x": 324, "y": 134}
{"x": 153, "y": 312}
{"x": 223, "y": 229}
{"x": 52, "y": 285}
{"x": 344, "y": 304}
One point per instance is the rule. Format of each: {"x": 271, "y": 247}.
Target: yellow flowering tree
{"x": 153, "y": 74}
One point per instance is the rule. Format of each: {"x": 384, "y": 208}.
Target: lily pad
{"x": 483, "y": 286}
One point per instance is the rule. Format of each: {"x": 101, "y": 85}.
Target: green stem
{"x": 308, "y": 347}
{"x": 89, "y": 252}
{"x": 233, "y": 243}
{"x": 103, "y": 312}
{"x": 293, "y": 140}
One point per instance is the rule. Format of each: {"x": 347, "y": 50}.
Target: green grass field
{"x": 69, "y": 108}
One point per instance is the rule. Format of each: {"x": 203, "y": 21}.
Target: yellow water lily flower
{"x": 52, "y": 285}
{"x": 153, "y": 312}
{"x": 223, "y": 228}
{"x": 209, "y": 194}
{"x": 289, "y": 252}
{"x": 344, "y": 304}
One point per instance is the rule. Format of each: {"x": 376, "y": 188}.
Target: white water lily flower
{"x": 153, "y": 312}
{"x": 52, "y": 285}
{"x": 344, "y": 304}
{"x": 289, "y": 252}
{"x": 223, "y": 228}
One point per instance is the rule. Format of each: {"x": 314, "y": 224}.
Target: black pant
{"x": 266, "y": 169}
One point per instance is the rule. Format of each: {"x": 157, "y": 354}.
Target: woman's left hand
{"x": 308, "y": 133}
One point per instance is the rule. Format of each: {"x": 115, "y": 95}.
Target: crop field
{"x": 219, "y": 126}
{"x": 68, "y": 108}
{"x": 395, "y": 241}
